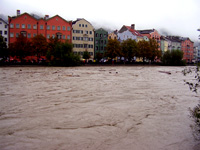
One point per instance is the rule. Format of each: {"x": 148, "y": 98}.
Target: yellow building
{"x": 112, "y": 35}
{"x": 83, "y": 37}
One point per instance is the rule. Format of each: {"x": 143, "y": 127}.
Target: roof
{"x": 134, "y": 32}
{"x": 146, "y": 31}
{"x": 3, "y": 21}
{"x": 78, "y": 19}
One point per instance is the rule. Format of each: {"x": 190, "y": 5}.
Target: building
{"x": 83, "y": 37}
{"x": 4, "y": 30}
{"x": 113, "y": 35}
{"x": 151, "y": 34}
{"x": 101, "y": 40}
{"x": 174, "y": 43}
{"x": 129, "y": 32}
{"x": 30, "y": 26}
{"x": 163, "y": 44}
{"x": 187, "y": 46}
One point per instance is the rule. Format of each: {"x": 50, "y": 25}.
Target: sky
{"x": 169, "y": 17}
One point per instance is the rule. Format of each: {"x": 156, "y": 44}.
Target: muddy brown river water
{"x": 95, "y": 108}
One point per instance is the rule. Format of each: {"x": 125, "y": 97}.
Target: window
{"x": 86, "y": 32}
{"x": 5, "y": 26}
{"x": 17, "y": 25}
{"x": 29, "y": 26}
{"x": 68, "y": 28}
{"x": 0, "y": 32}
{"x": 58, "y": 27}
{"x": 64, "y": 37}
{"x": 63, "y": 28}
{"x": 23, "y": 26}
{"x": 17, "y": 34}
{"x": 53, "y": 36}
{"x": 97, "y": 34}
{"x": 68, "y": 37}
{"x": 34, "y": 34}
{"x": 53, "y": 28}
{"x": 48, "y": 36}
{"x": 82, "y": 25}
{"x": 73, "y": 38}
{"x": 41, "y": 27}
{"x": 11, "y": 34}
{"x": 48, "y": 27}
{"x": 11, "y": 25}
{"x": 96, "y": 47}
{"x": 79, "y": 25}
{"x": 5, "y": 32}
{"x": 90, "y": 32}
{"x": 81, "y": 31}
{"x": 5, "y": 39}
{"x": 86, "y": 25}
{"x": 105, "y": 35}
{"x": 0, "y": 22}
{"x": 29, "y": 35}
{"x": 34, "y": 26}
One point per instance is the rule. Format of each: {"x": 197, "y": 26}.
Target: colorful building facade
{"x": 29, "y": 26}
{"x": 101, "y": 40}
{"x": 83, "y": 37}
{"x": 187, "y": 46}
{"x": 4, "y": 30}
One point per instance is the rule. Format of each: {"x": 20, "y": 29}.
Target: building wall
{"x": 4, "y": 30}
{"x": 112, "y": 36}
{"x": 187, "y": 48}
{"x": 31, "y": 26}
{"x": 83, "y": 37}
{"x": 126, "y": 35}
{"x": 101, "y": 40}
{"x": 164, "y": 46}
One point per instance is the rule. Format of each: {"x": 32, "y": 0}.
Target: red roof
{"x": 134, "y": 32}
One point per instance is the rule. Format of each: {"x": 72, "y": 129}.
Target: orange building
{"x": 30, "y": 26}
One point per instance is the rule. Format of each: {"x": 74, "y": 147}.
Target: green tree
{"x": 174, "y": 57}
{"x": 155, "y": 53}
{"x": 113, "y": 48}
{"x": 3, "y": 48}
{"x": 144, "y": 50}
{"x": 129, "y": 49}
{"x": 39, "y": 45}
{"x": 86, "y": 55}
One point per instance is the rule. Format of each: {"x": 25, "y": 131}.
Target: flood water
{"x": 95, "y": 108}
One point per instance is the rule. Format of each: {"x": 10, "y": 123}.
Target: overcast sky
{"x": 175, "y": 17}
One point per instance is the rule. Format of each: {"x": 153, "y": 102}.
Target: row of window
{"x": 101, "y": 42}
{"x": 81, "y": 53}
{"x": 100, "y": 48}
{"x": 82, "y": 38}
{"x": 81, "y": 31}
{"x": 5, "y": 26}
{"x": 5, "y": 32}
{"x": 101, "y": 35}
{"x": 82, "y": 46}
{"x": 48, "y": 27}
{"x": 29, "y": 35}
{"x": 83, "y": 25}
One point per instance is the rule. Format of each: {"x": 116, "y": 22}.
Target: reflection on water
{"x": 102, "y": 108}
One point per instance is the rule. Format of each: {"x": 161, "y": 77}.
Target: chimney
{"x": 133, "y": 26}
{"x": 18, "y": 12}
{"x": 46, "y": 17}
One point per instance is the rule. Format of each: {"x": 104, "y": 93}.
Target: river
{"x": 96, "y": 108}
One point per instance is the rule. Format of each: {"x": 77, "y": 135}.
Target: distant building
{"x": 101, "y": 40}
{"x": 113, "y": 35}
{"x": 29, "y": 26}
{"x": 163, "y": 44}
{"x": 187, "y": 46}
{"x": 151, "y": 34}
{"x": 174, "y": 43}
{"x": 4, "y": 30}
{"x": 83, "y": 37}
{"x": 129, "y": 32}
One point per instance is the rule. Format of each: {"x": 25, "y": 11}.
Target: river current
{"x": 96, "y": 108}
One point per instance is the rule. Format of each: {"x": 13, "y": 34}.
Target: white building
{"x": 4, "y": 30}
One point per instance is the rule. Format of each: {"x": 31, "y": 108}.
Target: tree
{"x": 173, "y": 57}
{"x": 113, "y": 48}
{"x": 86, "y": 55}
{"x": 129, "y": 49}
{"x": 99, "y": 56}
{"x": 154, "y": 52}
{"x": 144, "y": 49}
{"x": 3, "y": 48}
{"x": 20, "y": 48}
{"x": 40, "y": 46}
